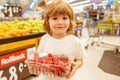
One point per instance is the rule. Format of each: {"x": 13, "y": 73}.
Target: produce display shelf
{"x": 14, "y": 53}
{"x": 105, "y": 26}
{"x": 19, "y": 38}
{"x": 108, "y": 26}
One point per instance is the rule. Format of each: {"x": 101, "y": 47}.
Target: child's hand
{"x": 74, "y": 68}
{"x": 75, "y": 65}
{"x": 36, "y": 56}
{"x": 45, "y": 72}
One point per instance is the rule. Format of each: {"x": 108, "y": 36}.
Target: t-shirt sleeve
{"x": 80, "y": 51}
{"x": 41, "y": 45}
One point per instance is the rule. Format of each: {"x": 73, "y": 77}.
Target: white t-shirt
{"x": 69, "y": 46}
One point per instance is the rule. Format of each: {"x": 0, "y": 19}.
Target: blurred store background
{"x": 21, "y": 28}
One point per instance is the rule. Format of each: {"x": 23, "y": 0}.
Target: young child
{"x": 59, "y": 39}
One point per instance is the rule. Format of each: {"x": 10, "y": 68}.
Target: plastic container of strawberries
{"x": 58, "y": 65}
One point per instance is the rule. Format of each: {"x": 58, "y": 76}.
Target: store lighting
{"x": 49, "y": 1}
{"x": 32, "y": 5}
{"x": 78, "y": 9}
{"x": 1, "y": 7}
{"x": 79, "y": 3}
{"x": 69, "y": 1}
{"x": 83, "y": 5}
{"x": 86, "y": 2}
{"x": 104, "y": 1}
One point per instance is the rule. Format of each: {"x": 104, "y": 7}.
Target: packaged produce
{"x": 58, "y": 65}
{"x": 33, "y": 65}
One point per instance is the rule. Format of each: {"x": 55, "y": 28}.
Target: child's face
{"x": 59, "y": 24}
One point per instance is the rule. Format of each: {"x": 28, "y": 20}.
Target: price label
{"x": 23, "y": 70}
{"x": 15, "y": 72}
{"x": 14, "y": 65}
{"x": 12, "y": 11}
{"x": 9, "y": 73}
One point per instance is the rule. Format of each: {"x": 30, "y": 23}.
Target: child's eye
{"x": 54, "y": 18}
{"x": 65, "y": 18}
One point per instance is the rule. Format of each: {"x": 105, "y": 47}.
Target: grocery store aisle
{"x": 90, "y": 69}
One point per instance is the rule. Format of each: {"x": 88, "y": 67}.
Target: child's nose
{"x": 60, "y": 21}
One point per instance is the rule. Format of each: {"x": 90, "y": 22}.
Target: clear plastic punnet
{"x": 48, "y": 63}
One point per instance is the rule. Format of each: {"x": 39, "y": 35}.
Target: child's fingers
{"x": 51, "y": 74}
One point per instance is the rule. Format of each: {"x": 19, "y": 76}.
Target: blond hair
{"x": 55, "y": 8}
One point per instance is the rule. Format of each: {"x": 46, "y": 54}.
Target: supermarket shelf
{"x": 16, "y": 50}
{"x": 19, "y": 38}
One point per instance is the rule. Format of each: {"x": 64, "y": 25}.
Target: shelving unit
{"x": 14, "y": 52}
